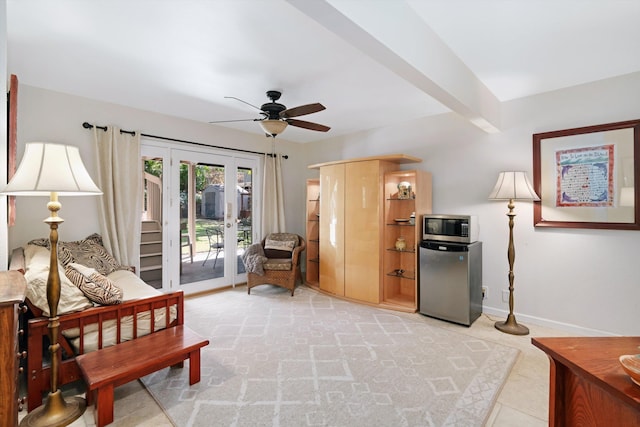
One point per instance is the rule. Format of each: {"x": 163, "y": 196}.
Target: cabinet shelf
{"x": 409, "y": 275}
{"x": 400, "y": 284}
{"x": 400, "y": 300}
{"x": 312, "y": 234}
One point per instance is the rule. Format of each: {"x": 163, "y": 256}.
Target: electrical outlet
{"x": 505, "y": 295}
{"x": 485, "y": 292}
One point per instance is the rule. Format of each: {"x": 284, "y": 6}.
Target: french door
{"x": 210, "y": 219}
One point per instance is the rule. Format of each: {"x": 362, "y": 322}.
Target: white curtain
{"x": 120, "y": 179}
{"x": 272, "y": 196}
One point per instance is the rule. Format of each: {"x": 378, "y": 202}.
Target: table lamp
{"x": 51, "y": 170}
{"x": 512, "y": 186}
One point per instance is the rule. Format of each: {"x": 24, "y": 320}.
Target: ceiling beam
{"x": 397, "y": 38}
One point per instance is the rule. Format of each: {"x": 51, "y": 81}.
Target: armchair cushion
{"x": 280, "y": 245}
{"x": 277, "y": 264}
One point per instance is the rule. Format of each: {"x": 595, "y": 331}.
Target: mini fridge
{"x": 451, "y": 281}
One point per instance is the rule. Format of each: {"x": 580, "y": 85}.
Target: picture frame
{"x": 585, "y": 177}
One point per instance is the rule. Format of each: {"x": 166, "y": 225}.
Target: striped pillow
{"x": 95, "y": 286}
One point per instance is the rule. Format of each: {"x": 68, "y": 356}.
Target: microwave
{"x": 450, "y": 228}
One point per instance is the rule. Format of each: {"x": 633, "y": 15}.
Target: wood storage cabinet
{"x": 12, "y": 292}
{"x": 351, "y": 228}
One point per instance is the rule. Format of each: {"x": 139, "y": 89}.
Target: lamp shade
{"x": 51, "y": 168}
{"x": 513, "y": 186}
{"x": 273, "y": 127}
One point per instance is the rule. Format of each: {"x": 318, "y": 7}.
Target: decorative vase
{"x": 401, "y": 244}
{"x": 404, "y": 190}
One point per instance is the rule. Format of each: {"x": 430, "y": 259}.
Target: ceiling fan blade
{"x": 302, "y": 110}
{"x": 308, "y": 125}
{"x": 239, "y": 120}
{"x": 244, "y": 102}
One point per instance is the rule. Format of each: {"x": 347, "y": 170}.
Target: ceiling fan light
{"x": 273, "y": 127}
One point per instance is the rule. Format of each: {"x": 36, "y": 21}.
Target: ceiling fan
{"x": 275, "y": 117}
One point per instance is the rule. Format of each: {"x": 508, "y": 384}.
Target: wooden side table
{"x": 587, "y": 385}
{"x": 12, "y": 292}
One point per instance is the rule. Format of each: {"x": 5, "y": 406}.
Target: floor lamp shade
{"x": 512, "y": 186}
{"x": 51, "y": 170}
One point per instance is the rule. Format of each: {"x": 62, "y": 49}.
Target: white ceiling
{"x": 371, "y": 63}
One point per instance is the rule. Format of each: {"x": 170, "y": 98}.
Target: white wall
{"x": 4, "y": 249}
{"x": 585, "y": 281}
{"x": 49, "y": 116}
{"x": 578, "y": 280}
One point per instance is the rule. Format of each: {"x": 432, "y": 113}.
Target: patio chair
{"x": 216, "y": 243}
{"x": 185, "y": 240}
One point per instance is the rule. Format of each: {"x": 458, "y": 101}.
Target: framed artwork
{"x": 586, "y": 177}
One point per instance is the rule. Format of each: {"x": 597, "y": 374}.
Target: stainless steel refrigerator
{"x": 451, "y": 281}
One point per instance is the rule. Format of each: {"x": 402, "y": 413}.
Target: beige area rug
{"x": 314, "y": 360}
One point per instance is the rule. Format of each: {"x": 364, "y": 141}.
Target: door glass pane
{"x": 245, "y": 215}
{"x": 202, "y": 228}
{"x": 151, "y": 231}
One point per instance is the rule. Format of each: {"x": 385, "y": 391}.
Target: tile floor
{"x": 523, "y": 400}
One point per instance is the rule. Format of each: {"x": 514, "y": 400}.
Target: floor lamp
{"x": 51, "y": 170}
{"x": 512, "y": 186}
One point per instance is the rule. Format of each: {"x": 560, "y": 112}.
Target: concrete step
{"x": 150, "y": 226}
{"x": 150, "y": 247}
{"x": 151, "y": 251}
{"x": 150, "y": 236}
{"x": 151, "y": 260}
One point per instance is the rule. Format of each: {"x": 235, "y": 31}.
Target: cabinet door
{"x": 332, "y": 267}
{"x": 362, "y": 230}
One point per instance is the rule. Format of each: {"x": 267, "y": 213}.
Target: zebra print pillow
{"x": 95, "y": 286}
{"x": 88, "y": 252}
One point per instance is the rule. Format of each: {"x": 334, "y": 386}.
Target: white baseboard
{"x": 566, "y": 327}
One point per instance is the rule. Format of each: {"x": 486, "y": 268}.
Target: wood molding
{"x": 395, "y": 158}
{"x": 12, "y": 146}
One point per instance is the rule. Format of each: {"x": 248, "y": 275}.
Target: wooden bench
{"x": 110, "y": 367}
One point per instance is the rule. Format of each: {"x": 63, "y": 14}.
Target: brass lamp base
{"x": 510, "y": 326}
{"x": 56, "y": 412}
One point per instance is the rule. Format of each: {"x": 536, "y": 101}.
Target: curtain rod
{"x": 88, "y": 125}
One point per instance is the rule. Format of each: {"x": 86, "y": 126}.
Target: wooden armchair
{"x": 282, "y": 267}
